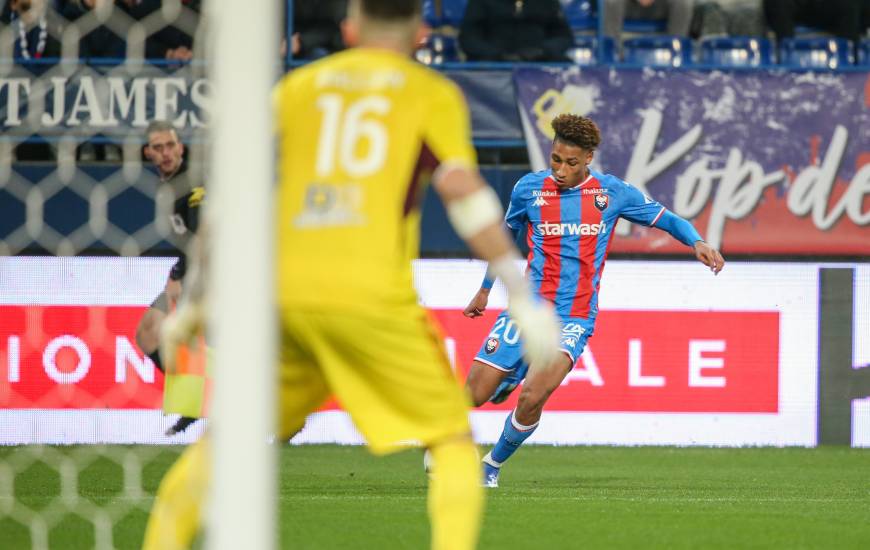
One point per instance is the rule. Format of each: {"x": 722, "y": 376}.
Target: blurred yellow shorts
{"x": 387, "y": 368}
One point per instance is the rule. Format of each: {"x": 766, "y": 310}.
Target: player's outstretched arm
{"x": 475, "y": 212}
{"x": 682, "y": 230}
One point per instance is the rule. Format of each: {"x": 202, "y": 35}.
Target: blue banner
{"x": 763, "y": 162}
{"x": 119, "y": 100}
{"x": 113, "y": 100}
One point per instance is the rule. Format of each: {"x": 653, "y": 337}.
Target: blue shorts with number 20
{"x": 502, "y": 348}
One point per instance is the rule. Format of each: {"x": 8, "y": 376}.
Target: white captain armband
{"x": 470, "y": 214}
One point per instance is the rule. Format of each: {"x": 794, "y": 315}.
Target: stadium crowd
{"x": 507, "y": 30}
{"x": 39, "y": 26}
{"x": 463, "y": 30}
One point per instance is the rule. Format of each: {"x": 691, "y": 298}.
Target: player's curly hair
{"x": 576, "y": 130}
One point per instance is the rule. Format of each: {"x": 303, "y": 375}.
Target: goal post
{"x": 245, "y": 59}
{"x": 91, "y": 226}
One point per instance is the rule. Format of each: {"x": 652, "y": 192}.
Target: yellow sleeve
{"x": 448, "y": 127}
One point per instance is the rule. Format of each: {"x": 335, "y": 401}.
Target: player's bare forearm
{"x": 680, "y": 229}
{"x": 709, "y": 256}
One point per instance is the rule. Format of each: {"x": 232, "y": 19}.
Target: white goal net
{"x": 91, "y": 226}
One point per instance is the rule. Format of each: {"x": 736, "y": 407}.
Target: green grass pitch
{"x": 551, "y": 497}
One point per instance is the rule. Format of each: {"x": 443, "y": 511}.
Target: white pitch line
{"x": 588, "y": 498}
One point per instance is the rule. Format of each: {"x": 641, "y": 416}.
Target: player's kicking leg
{"x": 522, "y": 422}
{"x": 484, "y": 383}
{"x": 496, "y": 371}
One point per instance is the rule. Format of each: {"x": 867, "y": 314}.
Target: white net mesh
{"x": 80, "y": 80}
{"x": 78, "y": 497}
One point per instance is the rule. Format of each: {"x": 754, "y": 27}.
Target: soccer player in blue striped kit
{"x": 569, "y": 213}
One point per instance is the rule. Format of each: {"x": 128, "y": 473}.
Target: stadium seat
{"x": 585, "y": 50}
{"x": 580, "y": 14}
{"x": 864, "y": 53}
{"x": 437, "y": 49}
{"x": 741, "y": 51}
{"x": 804, "y": 30}
{"x": 658, "y": 51}
{"x": 644, "y": 26}
{"x": 815, "y": 53}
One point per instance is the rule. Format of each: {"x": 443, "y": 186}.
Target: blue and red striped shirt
{"x": 569, "y": 233}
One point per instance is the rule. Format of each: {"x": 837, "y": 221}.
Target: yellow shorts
{"x": 388, "y": 369}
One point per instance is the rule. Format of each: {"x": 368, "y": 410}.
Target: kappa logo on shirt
{"x": 540, "y": 202}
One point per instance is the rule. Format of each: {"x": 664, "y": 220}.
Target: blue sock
{"x": 511, "y": 438}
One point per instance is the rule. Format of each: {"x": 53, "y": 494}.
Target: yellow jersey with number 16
{"x": 359, "y": 135}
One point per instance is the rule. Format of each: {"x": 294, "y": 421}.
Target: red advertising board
{"x": 75, "y": 357}
{"x": 84, "y": 357}
{"x": 658, "y": 361}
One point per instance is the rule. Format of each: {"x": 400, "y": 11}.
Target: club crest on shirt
{"x": 331, "y": 205}
{"x": 601, "y": 202}
{"x": 491, "y": 345}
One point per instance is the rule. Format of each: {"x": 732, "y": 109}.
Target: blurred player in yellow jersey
{"x": 361, "y": 133}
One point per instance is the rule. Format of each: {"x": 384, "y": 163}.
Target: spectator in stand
{"x": 171, "y": 42}
{"x": 101, "y": 42}
{"x": 35, "y": 31}
{"x": 728, "y": 18}
{"x": 678, "y": 14}
{"x": 317, "y": 28}
{"x": 515, "y": 30}
{"x": 844, "y": 18}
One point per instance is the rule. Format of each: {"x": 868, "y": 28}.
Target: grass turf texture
{"x": 562, "y": 497}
